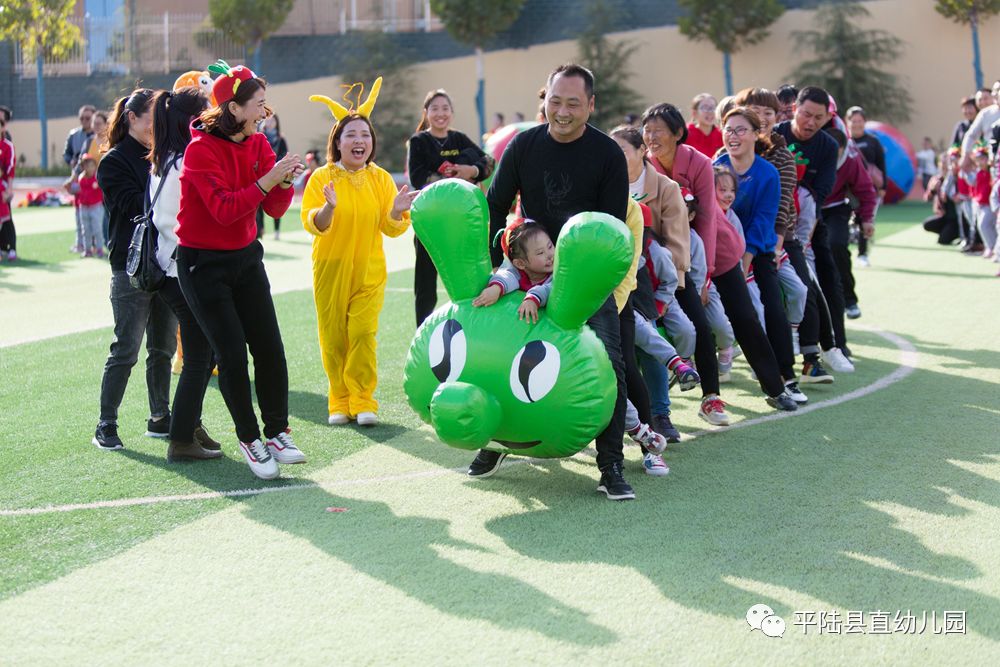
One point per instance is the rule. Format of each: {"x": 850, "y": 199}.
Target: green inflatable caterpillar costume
{"x": 483, "y": 378}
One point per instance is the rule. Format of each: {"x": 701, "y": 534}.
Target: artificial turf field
{"x": 883, "y": 499}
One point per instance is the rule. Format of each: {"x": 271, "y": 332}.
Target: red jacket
{"x": 90, "y": 193}
{"x": 706, "y": 144}
{"x": 853, "y": 178}
{"x": 8, "y": 166}
{"x": 723, "y": 246}
{"x": 219, "y": 198}
{"x": 981, "y": 190}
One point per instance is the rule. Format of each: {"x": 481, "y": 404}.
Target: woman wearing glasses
{"x": 664, "y": 133}
{"x": 703, "y": 134}
{"x": 758, "y": 197}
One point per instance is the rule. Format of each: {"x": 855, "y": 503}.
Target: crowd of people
{"x": 965, "y": 189}
{"x": 741, "y": 213}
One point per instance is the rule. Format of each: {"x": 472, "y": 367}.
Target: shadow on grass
{"x": 402, "y": 552}
{"x": 823, "y": 510}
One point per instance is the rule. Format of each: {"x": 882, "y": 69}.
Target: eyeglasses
{"x": 706, "y": 107}
{"x": 738, "y": 131}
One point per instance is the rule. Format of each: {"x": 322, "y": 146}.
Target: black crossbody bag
{"x": 141, "y": 266}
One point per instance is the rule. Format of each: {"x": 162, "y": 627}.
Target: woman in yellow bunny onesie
{"x": 347, "y": 206}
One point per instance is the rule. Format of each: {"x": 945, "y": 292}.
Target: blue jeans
{"x": 137, "y": 313}
{"x": 657, "y": 381}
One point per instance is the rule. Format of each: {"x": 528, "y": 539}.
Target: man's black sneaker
{"x": 158, "y": 428}
{"x": 613, "y": 484}
{"x": 782, "y": 402}
{"x": 486, "y": 463}
{"x": 106, "y": 437}
{"x": 663, "y": 426}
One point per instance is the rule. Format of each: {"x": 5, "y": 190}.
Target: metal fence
{"x": 152, "y": 43}
{"x": 325, "y": 17}
{"x": 168, "y": 42}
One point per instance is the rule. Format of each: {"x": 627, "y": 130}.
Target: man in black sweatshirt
{"x": 562, "y": 168}
{"x": 811, "y": 113}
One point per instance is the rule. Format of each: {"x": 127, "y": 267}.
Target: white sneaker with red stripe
{"x": 259, "y": 458}
{"x": 284, "y": 450}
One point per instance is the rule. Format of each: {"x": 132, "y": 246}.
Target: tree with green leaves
{"x": 851, "y": 62}
{"x": 729, "y": 25}
{"x": 42, "y": 29}
{"x": 395, "y": 117}
{"x": 476, "y": 22}
{"x": 249, "y": 21}
{"x": 970, "y": 12}
{"x": 608, "y": 61}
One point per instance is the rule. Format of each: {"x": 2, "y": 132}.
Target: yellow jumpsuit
{"x": 349, "y": 277}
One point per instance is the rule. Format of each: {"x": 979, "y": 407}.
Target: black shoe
{"x": 782, "y": 402}
{"x": 613, "y": 484}
{"x": 158, "y": 428}
{"x": 663, "y": 426}
{"x": 486, "y": 463}
{"x": 106, "y": 437}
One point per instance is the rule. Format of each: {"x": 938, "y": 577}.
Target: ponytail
{"x": 172, "y": 114}
{"x": 430, "y": 97}
{"x": 137, "y": 103}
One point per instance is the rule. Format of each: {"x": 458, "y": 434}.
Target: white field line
{"x": 909, "y": 359}
{"x": 908, "y": 362}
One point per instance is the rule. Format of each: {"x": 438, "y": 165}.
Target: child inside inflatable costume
{"x": 485, "y": 379}
{"x": 349, "y": 270}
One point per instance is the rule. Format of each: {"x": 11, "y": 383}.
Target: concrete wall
{"x": 667, "y": 67}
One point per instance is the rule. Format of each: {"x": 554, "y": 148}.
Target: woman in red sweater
{"x": 229, "y": 170}
{"x": 703, "y": 134}
{"x": 665, "y": 134}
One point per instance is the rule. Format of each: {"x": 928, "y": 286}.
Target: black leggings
{"x": 8, "y": 236}
{"x": 230, "y": 296}
{"x": 424, "y": 283}
{"x": 704, "y": 346}
{"x": 809, "y": 327}
{"x": 190, "y": 393}
{"x": 732, "y": 287}
{"x": 635, "y": 385}
{"x": 838, "y": 226}
{"x": 779, "y": 332}
{"x": 829, "y": 282}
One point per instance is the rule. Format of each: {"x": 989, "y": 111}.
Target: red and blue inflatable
{"x": 900, "y": 160}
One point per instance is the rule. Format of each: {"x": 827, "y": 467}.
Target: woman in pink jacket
{"x": 664, "y": 133}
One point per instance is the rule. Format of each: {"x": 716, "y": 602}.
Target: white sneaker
{"x": 259, "y": 459}
{"x": 338, "y": 419}
{"x": 713, "y": 410}
{"x": 836, "y": 360}
{"x": 648, "y": 438}
{"x": 792, "y": 389}
{"x": 864, "y": 261}
{"x": 367, "y": 419}
{"x": 655, "y": 465}
{"x": 284, "y": 450}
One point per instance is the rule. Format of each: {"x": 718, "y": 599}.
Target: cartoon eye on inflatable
{"x": 534, "y": 371}
{"x": 447, "y": 351}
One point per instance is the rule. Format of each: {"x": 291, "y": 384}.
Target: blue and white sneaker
{"x": 654, "y": 465}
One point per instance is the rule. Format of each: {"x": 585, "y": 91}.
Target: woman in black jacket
{"x": 123, "y": 175}
{"x": 436, "y": 152}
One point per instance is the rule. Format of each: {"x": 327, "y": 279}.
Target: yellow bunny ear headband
{"x": 340, "y": 112}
